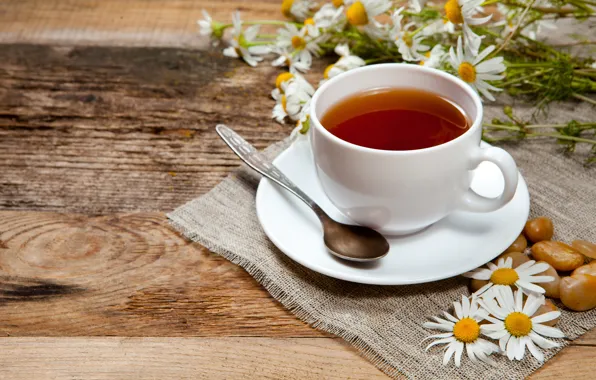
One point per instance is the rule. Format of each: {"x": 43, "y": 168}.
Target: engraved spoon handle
{"x": 253, "y": 158}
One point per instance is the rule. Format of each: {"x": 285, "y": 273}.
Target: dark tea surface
{"x": 395, "y": 119}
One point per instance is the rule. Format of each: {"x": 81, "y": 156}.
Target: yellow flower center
{"x": 286, "y": 7}
{"x": 337, "y": 3}
{"x": 408, "y": 39}
{"x": 504, "y": 276}
{"x": 356, "y": 14}
{"x": 283, "y": 77}
{"x": 453, "y": 12}
{"x": 467, "y": 72}
{"x": 284, "y": 102}
{"x": 309, "y": 21}
{"x": 326, "y": 72}
{"x": 466, "y": 330}
{"x": 298, "y": 42}
{"x": 518, "y": 324}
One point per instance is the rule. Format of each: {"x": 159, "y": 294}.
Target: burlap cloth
{"x": 385, "y": 322}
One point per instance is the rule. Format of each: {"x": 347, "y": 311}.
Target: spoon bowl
{"x": 354, "y": 243}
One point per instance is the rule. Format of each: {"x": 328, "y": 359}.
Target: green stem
{"x": 562, "y": 137}
{"x": 526, "y": 77}
{"x": 539, "y": 9}
{"x": 584, "y": 98}
{"x": 533, "y": 64}
{"x": 273, "y": 36}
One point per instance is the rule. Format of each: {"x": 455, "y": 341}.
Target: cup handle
{"x": 471, "y": 201}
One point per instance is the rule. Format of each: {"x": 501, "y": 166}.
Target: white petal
{"x": 437, "y": 326}
{"x": 448, "y": 354}
{"x": 459, "y": 349}
{"x": 261, "y": 49}
{"x": 490, "y": 77}
{"x": 484, "y": 54}
{"x": 525, "y": 266}
{"x": 519, "y": 301}
{"x": 458, "y": 310}
{"x": 521, "y": 348}
{"x": 483, "y": 289}
{"x": 551, "y": 332}
{"x": 479, "y": 274}
{"x": 479, "y": 20}
{"x": 436, "y": 336}
{"x": 470, "y": 349}
{"x": 230, "y": 52}
{"x": 534, "y": 350}
{"x": 530, "y": 287}
{"x": 465, "y": 304}
{"x": 546, "y": 317}
{"x": 492, "y": 327}
{"x": 494, "y": 267}
{"x": 512, "y": 348}
{"x": 450, "y": 317}
{"x": 503, "y": 342}
{"x": 440, "y": 341}
{"x": 542, "y": 342}
{"x": 534, "y": 269}
{"x": 532, "y": 304}
{"x": 497, "y": 334}
{"x": 538, "y": 279}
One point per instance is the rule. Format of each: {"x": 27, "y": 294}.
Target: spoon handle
{"x": 253, "y": 158}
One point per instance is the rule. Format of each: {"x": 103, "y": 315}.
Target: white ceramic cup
{"x": 400, "y": 192}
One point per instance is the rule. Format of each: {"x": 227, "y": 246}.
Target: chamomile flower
{"x": 502, "y": 275}
{"x": 409, "y": 44}
{"x": 302, "y": 126}
{"x": 345, "y": 63}
{"x": 303, "y": 43}
{"x": 297, "y": 9}
{"x": 330, "y": 18}
{"x": 207, "y": 27}
{"x": 474, "y": 71}
{"x": 292, "y": 98}
{"x": 434, "y": 57}
{"x": 240, "y": 45}
{"x": 514, "y": 323}
{"x": 462, "y": 331}
{"x": 461, "y": 12}
{"x": 362, "y": 13}
{"x": 287, "y": 59}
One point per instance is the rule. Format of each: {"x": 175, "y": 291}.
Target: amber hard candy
{"x": 539, "y": 229}
{"x": 586, "y": 269}
{"x": 559, "y": 255}
{"x": 551, "y": 289}
{"x": 519, "y": 245}
{"x": 578, "y": 292}
{"x": 585, "y": 248}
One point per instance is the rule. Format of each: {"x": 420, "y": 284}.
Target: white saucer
{"x": 460, "y": 242}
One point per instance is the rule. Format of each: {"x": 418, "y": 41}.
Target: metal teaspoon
{"x": 354, "y": 243}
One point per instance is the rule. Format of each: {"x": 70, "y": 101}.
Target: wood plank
{"x": 99, "y": 130}
{"x": 215, "y": 358}
{"x": 120, "y": 23}
{"x": 125, "y": 275}
{"x": 571, "y": 363}
{"x": 181, "y": 358}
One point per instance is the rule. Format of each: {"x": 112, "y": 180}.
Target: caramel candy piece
{"x": 578, "y": 292}
{"x": 585, "y": 248}
{"x": 586, "y": 269}
{"x": 539, "y": 229}
{"x": 559, "y": 255}
{"x": 519, "y": 245}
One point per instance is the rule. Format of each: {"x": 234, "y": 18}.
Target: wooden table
{"x": 107, "y": 111}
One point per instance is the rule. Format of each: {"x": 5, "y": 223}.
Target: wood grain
{"x": 170, "y": 23}
{"x": 99, "y": 130}
{"x": 113, "y": 116}
{"x": 181, "y": 358}
{"x": 125, "y": 275}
